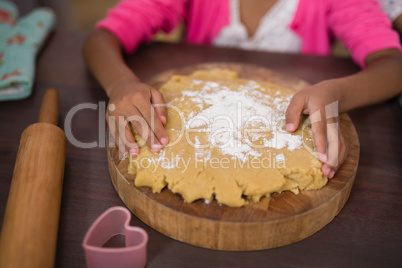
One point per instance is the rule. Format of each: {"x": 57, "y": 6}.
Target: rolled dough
{"x": 228, "y": 142}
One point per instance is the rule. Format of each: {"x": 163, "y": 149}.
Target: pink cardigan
{"x": 361, "y": 24}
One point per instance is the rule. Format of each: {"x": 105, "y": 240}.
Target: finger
{"x": 326, "y": 170}
{"x": 336, "y": 159}
{"x": 159, "y": 105}
{"x": 155, "y": 125}
{"x": 319, "y": 130}
{"x": 332, "y": 150}
{"x": 120, "y": 143}
{"x": 141, "y": 125}
{"x": 127, "y": 137}
{"x": 114, "y": 132}
{"x": 293, "y": 113}
{"x": 122, "y": 149}
{"x": 333, "y": 144}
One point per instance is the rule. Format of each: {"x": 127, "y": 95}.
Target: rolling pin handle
{"x": 49, "y": 110}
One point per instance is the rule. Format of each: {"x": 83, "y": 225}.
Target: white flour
{"x": 226, "y": 113}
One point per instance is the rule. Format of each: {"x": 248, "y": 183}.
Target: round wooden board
{"x": 275, "y": 221}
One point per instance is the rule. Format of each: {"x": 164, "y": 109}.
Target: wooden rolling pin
{"x": 29, "y": 232}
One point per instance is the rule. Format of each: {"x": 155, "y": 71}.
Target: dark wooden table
{"x": 367, "y": 232}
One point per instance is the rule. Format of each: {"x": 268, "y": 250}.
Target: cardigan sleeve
{"x": 136, "y": 21}
{"x": 363, "y": 27}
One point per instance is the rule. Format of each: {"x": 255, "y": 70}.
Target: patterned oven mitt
{"x": 20, "y": 41}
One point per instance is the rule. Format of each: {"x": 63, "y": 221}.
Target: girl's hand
{"x": 141, "y": 105}
{"x": 320, "y": 102}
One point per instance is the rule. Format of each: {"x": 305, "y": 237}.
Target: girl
{"x": 305, "y": 26}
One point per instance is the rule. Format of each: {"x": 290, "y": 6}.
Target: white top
{"x": 273, "y": 32}
{"x": 392, "y": 7}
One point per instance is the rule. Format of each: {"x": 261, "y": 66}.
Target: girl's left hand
{"x": 320, "y": 102}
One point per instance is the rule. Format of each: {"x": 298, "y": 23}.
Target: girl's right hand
{"x": 141, "y": 105}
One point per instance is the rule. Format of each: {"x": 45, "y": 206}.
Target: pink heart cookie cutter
{"x": 114, "y": 221}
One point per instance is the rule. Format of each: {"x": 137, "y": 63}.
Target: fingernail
{"x": 290, "y": 127}
{"x": 133, "y": 152}
{"x": 322, "y": 157}
{"x": 326, "y": 171}
{"x": 164, "y": 141}
{"x": 331, "y": 174}
{"x": 155, "y": 148}
{"x": 163, "y": 119}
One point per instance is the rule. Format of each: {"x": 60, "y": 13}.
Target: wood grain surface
{"x": 276, "y": 221}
